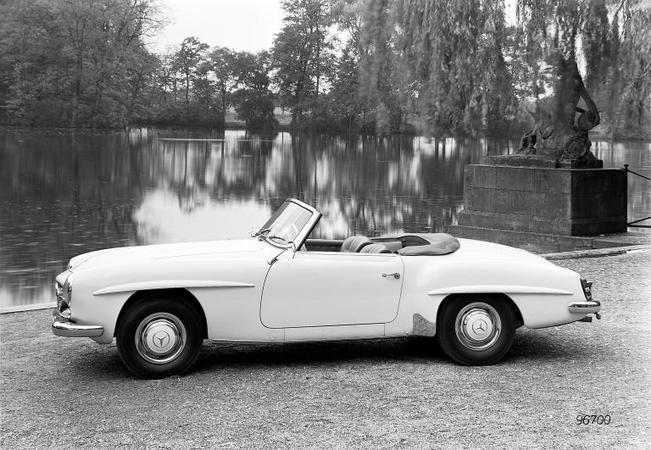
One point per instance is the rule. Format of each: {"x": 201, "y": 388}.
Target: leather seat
{"x": 354, "y": 244}
{"x": 375, "y": 248}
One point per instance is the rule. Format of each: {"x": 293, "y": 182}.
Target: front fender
{"x": 222, "y": 287}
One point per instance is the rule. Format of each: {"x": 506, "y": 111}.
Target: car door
{"x": 307, "y": 289}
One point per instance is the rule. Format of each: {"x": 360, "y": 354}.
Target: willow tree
{"x": 633, "y": 59}
{"x": 610, "y": 40}
{"x": 617, "y": 48}
{"x": 453, "y": 51}
{"x": 380, "y": 81}
{"x": 442, "y": 59}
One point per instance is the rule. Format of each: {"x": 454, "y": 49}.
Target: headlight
{"x": 69, "y": 289}
{"x": 587, "y": 288}
{"x": 62, "y": 301}
{"x": 63, "y": 293}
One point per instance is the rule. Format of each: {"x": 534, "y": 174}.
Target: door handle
{"x": 395, "y": 275}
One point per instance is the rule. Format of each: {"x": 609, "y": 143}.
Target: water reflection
{"x": 161, "y": 218}
{"x": 63, "y": 195}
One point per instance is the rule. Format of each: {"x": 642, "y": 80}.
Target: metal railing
{"x": 635, "y": 223}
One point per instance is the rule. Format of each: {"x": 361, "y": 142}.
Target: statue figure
{"x": 561, "y": 129}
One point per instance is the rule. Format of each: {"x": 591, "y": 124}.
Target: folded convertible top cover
{"x": 440, "y": 244}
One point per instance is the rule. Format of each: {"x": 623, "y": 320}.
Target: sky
{"x": 245, "y": 25}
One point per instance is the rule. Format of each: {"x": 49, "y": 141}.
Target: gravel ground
{"x": 58, "y": 392}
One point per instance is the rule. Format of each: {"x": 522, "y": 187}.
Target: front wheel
{"x": 476, "y": 331}
{"x": 159, "y": 337}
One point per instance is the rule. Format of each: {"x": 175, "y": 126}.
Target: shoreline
{"x": 283, "y": 127}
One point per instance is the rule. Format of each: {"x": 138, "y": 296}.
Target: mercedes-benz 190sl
{"x": 161, "y": 301}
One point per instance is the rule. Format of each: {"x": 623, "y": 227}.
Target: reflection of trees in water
{"x": 379, "y": 186}
{"x": 64, "y": 195}
{"x": 636, "y": 155}
{"x": 373, "y": 185}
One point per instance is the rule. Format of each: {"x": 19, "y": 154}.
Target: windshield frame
{"x": 266, "y": 231}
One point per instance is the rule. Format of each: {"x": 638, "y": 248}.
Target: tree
{"x": 553, "y": 30}
{"x": 625, "y": 90}
{"x": 253, "y": 100}
{"x": 440, "y": 59}
{"x": 382, "y": 86}
{"x": 223, "y": 63}
{"x": 67, "y": 63}
{"x": 345, "y": 106}
{"x": 300, "y": 52}
{"x": 141, "y": 71}
{"x": 187, "y": 61}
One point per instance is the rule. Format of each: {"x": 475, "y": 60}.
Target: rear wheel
{"x": 159, "y": 337}
{"x": 476, "y": 331}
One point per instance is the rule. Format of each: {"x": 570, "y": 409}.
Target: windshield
{"x": 286, "y": 223}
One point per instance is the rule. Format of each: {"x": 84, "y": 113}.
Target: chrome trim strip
{"x": 589, "y": 307}
{"x": 63, "y": 327}
{"x": 299, "y": 240}
{"x": 502, "y": 289}
{"x": 169, "y": 284}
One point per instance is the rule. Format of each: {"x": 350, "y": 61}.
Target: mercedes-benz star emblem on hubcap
{"x": 480, "y": 326}
{"x": 161, "y": 339}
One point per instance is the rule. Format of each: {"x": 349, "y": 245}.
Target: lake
{"x": 63, "y": 194}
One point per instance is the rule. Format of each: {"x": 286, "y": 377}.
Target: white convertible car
{"x": 161, "y": 301}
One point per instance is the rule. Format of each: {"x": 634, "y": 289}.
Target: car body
{"x": 161, "y": 301}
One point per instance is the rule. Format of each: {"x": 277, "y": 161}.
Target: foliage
{"x": 615, "y": 44}
{"x": 437, "y": 62}
{"x": 385, "y": 66}
{"x": 254, "y": 102}
{"x": 68, "y": 63}
{"x": 301, "y": 53}
{"x": 626, "y": 87}
{"x": 223, "y": 62}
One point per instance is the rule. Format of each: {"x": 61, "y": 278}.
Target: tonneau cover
{"x": 439, "y": 244}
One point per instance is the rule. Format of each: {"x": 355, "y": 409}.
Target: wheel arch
{"x": 140, "y": 296}
{"x": 517, "y": 314}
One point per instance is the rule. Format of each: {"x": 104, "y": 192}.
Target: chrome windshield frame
{"x": 304, "y": 232}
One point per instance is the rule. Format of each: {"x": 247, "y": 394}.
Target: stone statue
{"x": 561, "y": 129}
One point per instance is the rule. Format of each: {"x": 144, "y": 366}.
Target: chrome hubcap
{"x": 478, "y": 326}
{"x": 160, "y": 338}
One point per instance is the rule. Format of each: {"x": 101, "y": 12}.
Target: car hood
{"x": 112, "y": 256}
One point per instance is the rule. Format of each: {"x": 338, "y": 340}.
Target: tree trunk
{"x": 187, "y": 94}
{"x": 223, "y": 92}
{"x": 77, "y": 93}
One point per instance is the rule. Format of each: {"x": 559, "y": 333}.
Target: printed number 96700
{"x": 587, "y": 419}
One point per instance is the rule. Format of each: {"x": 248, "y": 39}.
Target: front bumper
{"x": 587, "y": 307}
{"x": 62, "y": 326}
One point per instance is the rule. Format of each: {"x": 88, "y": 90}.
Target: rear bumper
{"x": 587, "y": 307}
{"x": 62, "y": 326}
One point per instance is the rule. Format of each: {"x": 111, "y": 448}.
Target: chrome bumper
{"x": 62, "y": 326}
{"x": 587, "y": 307}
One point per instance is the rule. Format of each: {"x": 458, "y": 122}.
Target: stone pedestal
{"x": 539, "y": 199}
